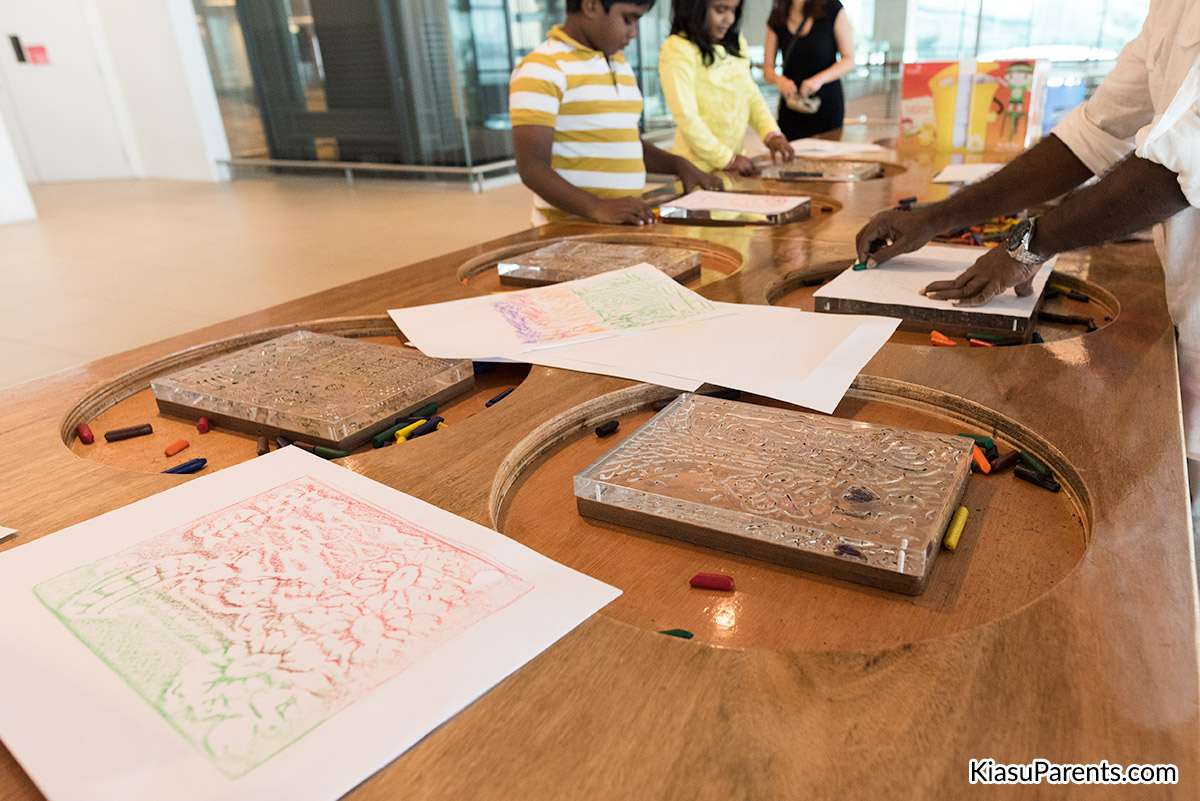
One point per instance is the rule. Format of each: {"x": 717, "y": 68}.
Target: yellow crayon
{"x": 403, "y": 433}
{"x": 950, "y": 541}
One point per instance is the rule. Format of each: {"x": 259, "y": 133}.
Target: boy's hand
{"x": 692, "y": 176}
{"x": 621, "y": 211}
{"x": 742, "y": 166}
{"x": 780, "y": 147}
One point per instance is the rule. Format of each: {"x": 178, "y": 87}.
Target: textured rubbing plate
{"x": 803, "y": 169}
{"x": 316, "y": 388}
{"x": 668, "y": 212}
{"x": 857, "y": 501}
{"x": 565, "y": 261}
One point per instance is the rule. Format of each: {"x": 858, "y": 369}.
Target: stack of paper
{"x": 965, "y": 173}
{"x": 638, "y": 324}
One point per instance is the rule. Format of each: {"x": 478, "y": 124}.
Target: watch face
{"x": 1016, "y": 237}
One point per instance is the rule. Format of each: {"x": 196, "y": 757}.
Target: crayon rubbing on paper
{"x": 629, "y": 301}
{"x": 248, "y": 627}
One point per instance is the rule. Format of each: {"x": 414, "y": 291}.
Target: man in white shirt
{"x": 1140, "y": 131}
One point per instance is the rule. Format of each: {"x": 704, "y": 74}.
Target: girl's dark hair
{"x": 781, "y": 8}
{"x": 689, "y": 18}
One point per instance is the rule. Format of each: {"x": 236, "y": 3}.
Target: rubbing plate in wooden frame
{"x": 567, "y": 260}
{"x": 317, "y": 388}
{"x": 858, "y": 501}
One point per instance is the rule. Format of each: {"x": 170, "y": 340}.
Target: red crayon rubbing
{"x": 85, "y": 434}
{"x": 713, "y": 581}
{"x": 203, "y": 426}
{"x": 176, "y": 447}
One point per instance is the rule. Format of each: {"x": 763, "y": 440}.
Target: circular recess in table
{"x": 717, "y": 262}
{"x": 796, "y": 288}
{"x": 128, "y": 401}
{"x": 1019, "y": 541}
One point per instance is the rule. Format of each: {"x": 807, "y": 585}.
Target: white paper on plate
{"x": 510, "y": 324}
{"x": 742, "y": 202}
{"x": 266, "y": 631}
{"x": 899, "y": 282}
{"x": 965, "y": 173}
{"x": 7, "y": 533}
{"x": 800, "y": 357}
{"x": 827, "y": 147}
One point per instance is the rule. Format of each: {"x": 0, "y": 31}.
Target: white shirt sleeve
{"x": 1100, "y": 132}
{"x": 1173, "y": 138}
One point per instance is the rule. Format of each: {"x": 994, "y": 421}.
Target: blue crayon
{"x": 194, "y": 466}
{"x": 500, "y": 397}
{"x": 428, "y": 427}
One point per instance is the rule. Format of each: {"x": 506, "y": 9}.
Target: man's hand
{"x": 893, "y": 233}
{"x": 692, "y": 176}
{"x": 742, "y": 166}
{"x": 621, "y": 211}
{"x": 994, "y": 272}
{"x": 780, "y": 147}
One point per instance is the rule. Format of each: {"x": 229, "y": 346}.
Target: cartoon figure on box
{"x": 1009, "y": 114}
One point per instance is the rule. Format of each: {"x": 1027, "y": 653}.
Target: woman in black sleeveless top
{"x": 810, "y": 34}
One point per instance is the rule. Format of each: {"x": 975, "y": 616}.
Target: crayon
{"x": 940, "y": 340}
{"x": 426, "y": 410}
{"x": 1005, "y": 461}
{"x": 500, "y": 397}
{"x": 605, "y": 429}
{"x": 980, "y": 440}
{"x": 1068, "y": 319}
{"x": 194, "y": 466}
{"x": 979, "y": 343}
{"x": 264, "y": 446}
{"x": 428, "y": 427}
{"x": 84, "y": 431}
{"x": 1043, "y": 480}
{"x": 329, "y": 453}
{"x": 118, "y": 434}
{"x": 175, "y": 447}
{"x": 402, "y": 434}
{"x": 980, "y": 461}
{"x": 1034, "y": 463}
{"x": 203, "y": 425}
{"x": 682, "y": 634}
{"x": 955, "y": 529}
{"x": 712, "y": 581}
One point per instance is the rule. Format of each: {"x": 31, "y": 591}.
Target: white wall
{"x": 127, "y": 92}
{"x": 15, "y": 203}
{"x": 167, "y": 89}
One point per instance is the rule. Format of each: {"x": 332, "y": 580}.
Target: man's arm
{"x": 660, "y": 161}
{"x": 533, "y": 146}
{"x": 1131, "y": 197}
{"x": 1045, "y": 171}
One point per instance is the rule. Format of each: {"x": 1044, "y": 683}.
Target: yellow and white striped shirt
{"x": 593, "y": 104}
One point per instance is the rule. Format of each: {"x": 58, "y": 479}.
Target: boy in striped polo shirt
{"x": 574, "y": 105}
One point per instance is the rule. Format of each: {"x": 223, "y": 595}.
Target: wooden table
{"x": 1064, "y": 628}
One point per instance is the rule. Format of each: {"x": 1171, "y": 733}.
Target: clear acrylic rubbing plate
{"x": 857, "y": 501}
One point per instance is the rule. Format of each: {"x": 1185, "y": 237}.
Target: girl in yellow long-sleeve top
{"x": 705, "y": 76}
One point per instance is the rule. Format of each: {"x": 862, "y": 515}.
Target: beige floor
{"x": 117, "y": 264}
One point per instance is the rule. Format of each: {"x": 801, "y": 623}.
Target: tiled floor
{"x": 116, "y": 264}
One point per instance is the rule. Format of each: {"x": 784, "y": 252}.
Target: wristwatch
{"x": 1019, "y": 240}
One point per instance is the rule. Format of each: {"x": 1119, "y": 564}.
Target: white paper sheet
{"x": 261, "y": 632}
{"x": 741, "y": 202}
{"x": 965, "y": 173}
{"x": 795, "y": 356}
{"x": 512, "y": 323}
{"x": 899, "y": 282}
{"x": 7, "y": 533}
{"x": 827, "y": 147}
